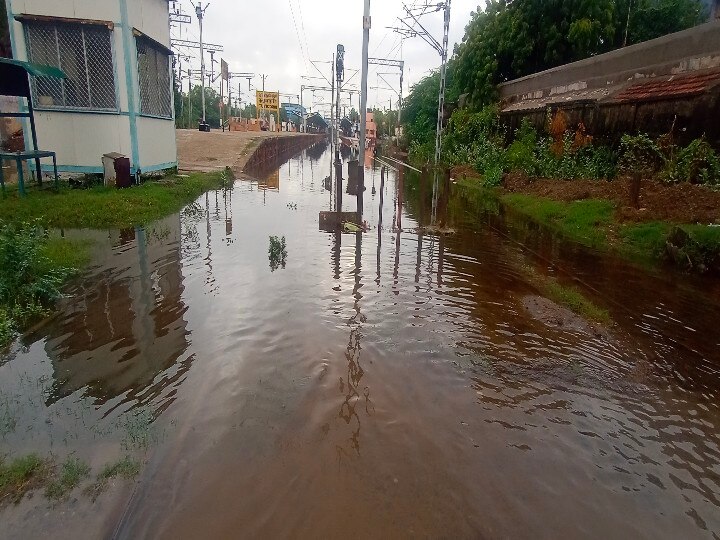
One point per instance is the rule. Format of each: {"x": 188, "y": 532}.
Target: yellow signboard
{"x": 269, "y": 101}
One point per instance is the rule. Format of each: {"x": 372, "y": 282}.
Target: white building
{"x": 118, "y": 93}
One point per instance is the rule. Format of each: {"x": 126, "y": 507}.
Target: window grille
{"x": 154, "y": 79}
{"x": 84, "y": 53}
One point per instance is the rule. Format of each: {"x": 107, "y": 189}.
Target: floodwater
{"x": 386, "y": 384}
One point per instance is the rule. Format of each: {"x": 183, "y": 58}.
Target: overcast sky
{"x": 280, "y": 37}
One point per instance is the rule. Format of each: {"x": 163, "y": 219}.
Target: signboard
{"x": 269, "y": 101}
{"x": 224, "y": 69}
{"x": 180, "y": 18}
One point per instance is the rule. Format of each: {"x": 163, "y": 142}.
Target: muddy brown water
{"x": 387, "y": 384}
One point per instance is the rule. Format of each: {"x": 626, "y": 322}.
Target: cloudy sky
{"x": 279, "y": 38}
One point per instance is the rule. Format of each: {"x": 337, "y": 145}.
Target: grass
{"x": 20, "y": 476}
{"x": 575, "y": 301}
{"x": 103, "y": 208}
{"x": 126, "y": 468}
{"x": 582, "y": 221}
{"x": 28, "y": 473}
{"x": 72, "y": 472}
{"x": 592, "y": 223}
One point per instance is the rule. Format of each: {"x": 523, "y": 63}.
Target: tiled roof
{"x": 669, "y": 87}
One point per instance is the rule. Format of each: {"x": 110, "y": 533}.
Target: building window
{"x": 154, "y": 79}
{"x": 84, "y": 53}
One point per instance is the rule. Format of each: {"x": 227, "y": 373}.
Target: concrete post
{"x": 363, "y": 105}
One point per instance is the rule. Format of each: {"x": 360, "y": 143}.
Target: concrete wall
{"x": 80, "y": 138}
{"x": 591, "y": 91}
{"x": 682, "y": 52}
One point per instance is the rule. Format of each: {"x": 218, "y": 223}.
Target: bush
{"x": 697, "y": 163}
{"x": 639, "y": 153}
{"x": 28, "y": 282}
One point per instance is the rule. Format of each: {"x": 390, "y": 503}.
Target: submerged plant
{"x": 277, "y": 253}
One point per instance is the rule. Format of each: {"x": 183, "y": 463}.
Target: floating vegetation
{"x": 277, "y": 253}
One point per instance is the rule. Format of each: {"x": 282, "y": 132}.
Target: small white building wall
{"x": 151, "y": 18}
{"x": 104, "y": 10}
{"x": 81, "y": 138}
{"x": 156, "y": 144}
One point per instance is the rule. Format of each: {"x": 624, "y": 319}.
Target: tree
{"x": 514, "y": 38}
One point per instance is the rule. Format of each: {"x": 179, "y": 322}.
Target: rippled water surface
{"x": 385, "y": 384}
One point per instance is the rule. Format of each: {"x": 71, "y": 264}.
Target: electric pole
{"x": 363, "y": 106}
{"x": 418, "y": 30}
{"x": 200, "y": 12}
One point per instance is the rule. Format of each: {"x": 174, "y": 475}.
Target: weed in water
{"x": 573, "y": 299}
{"x": 72, "y": 472}
{"x": 127, "y": 468}
{"x": 277, "y": 253}
{"x": 137, "y": 427}
{"x": 21, "y": 476}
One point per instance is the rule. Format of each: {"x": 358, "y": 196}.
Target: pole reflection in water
{"x": 350, "y": 387}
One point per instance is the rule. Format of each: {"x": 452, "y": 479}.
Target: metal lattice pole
{"x": 441, "y": 110}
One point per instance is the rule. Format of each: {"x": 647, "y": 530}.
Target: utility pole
{"x": 367, "y": 23}
{"x": 302, "y": 109}
{"x": 339, "y": 74}
{"x": 418, "y": 30}
{"x": 441, "y": 108}
{"x": 263, "y": 79}
{"x": 200, "y": 12}
{"x": 189, "y": 98}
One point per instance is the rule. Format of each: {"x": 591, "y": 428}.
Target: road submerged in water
{"x": 386, "y": 384}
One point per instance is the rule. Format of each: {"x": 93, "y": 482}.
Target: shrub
{"x": 28, "y": 282}
{"x": 697, "y": 163}
{"x": 639, "y": 153}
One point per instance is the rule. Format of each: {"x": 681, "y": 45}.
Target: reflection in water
{"x": 350, "y": 387}
{"x": 116, "y": 334}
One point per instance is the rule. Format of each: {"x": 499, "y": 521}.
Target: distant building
{"x": 118, "y": 93}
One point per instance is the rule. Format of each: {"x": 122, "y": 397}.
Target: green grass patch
{"x": 581, "y": 221}
{"x": 66, "y": 253}
{"x": 72, "y": 472}
{"x": 127, "y": 468}
{"x": 102, "y": 208}
{"x": 20, "y": 476}
{"x": 644, "y": 239}
{"x": 575, "y": 301}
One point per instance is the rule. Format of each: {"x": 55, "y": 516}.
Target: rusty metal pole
{"x": 338, "y": 186}
{"x": 423, "y": 183}
{"x": 382, "y": 196}
{"x": 401, "y": 187}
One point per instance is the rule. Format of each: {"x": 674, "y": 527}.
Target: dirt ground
{"x": 679, "y": 203}
{"x": 206, "y": 152}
